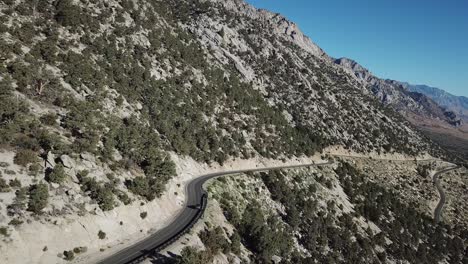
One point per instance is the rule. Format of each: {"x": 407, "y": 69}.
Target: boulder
{"x": 50, "y": 160}
{"x": 88, "y": 157}
{"x": 67, "y": 161}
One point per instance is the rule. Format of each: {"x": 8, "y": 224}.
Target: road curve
{"x": 189, "y": 215}
{"x": 436, "y": 180}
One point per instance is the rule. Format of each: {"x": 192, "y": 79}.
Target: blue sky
{"x": 418, "y": 41}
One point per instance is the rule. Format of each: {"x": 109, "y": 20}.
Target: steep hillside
{"x": 100, "y": 102}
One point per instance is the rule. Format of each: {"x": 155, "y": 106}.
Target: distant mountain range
{"x": 410, "y": 103}
{"x": 457, "y": 104}
{"x": 443, "y": 117}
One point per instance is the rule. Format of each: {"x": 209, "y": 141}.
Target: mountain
{"x": 108, "y": 109}
{"x": 445, "y": 125}
{"x": 394, "y": 93}
{"x": 457, "y": 104}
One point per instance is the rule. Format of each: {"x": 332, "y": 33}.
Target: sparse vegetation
{"x": 25, "y": 157}
{"x": 128, "y": 84}
{"x": 329, "y": 229}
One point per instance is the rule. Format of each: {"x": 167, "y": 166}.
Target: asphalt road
{"x": 194, "y": 192}
{"x": 440, "y": 205}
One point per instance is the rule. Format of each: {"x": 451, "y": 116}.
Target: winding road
{"x": 436, "y": 180}
{"x": 184, "y": 220}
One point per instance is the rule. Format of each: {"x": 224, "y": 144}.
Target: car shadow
{"x": 195, "y": 206}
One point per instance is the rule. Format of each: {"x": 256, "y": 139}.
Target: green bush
{"x": 189, "y": 255}
{"x": 49, "y": 119}
{"x": 214, "y": 240}
{"x": 38, "y": 198}
{"x": 25, "y": 156}
{"x": 103, "y": 194}
{"x": 235, "y": 243}
{"x": 56, "y": 175}
{"x": 67, "y": 14}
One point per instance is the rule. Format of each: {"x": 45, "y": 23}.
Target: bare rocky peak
{"x": 354, "y": 68}
{"x": 280, "y": 25}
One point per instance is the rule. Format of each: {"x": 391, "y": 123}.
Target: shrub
{"x": 105, "y": 199}
{"x": 68, "y": 14}
{"x": 143, "y": 215}
{"x": 35, "y": 168}
{"x": 10, "y": 172}
{"x": 4, "y": 231}
{"x": 214, "y": 240}
{"x": 15, "y": 183}
{"x": 119, "y": 101}
{"x": 102, "y": 194}
{"x": 123, "y": 197}
{"x": 79, "y": 250}
{"x": 424, "y": 170}
{"x": 190, "y": 255}
{"x": 15, "y": 222}
{"x": 69, "y": 255}
{"x": 139, "y": 186}
{"x": 19, "y": 202}
{"x": 49, "y": 119}
{"x": 101, "y": 234}
{"x": 56, "y": 175}
{"x": 235, "y": 243}
{"x": 38, "y": 198}
{"x": 4, "y": 186}
{"x": 25, "y": 156}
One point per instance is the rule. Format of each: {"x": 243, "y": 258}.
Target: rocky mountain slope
{"x": 101, "y": 102}
{"x": 442, "y": 124}
{"x": 394, "y": 93}
{"x": 457, "y": 104}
